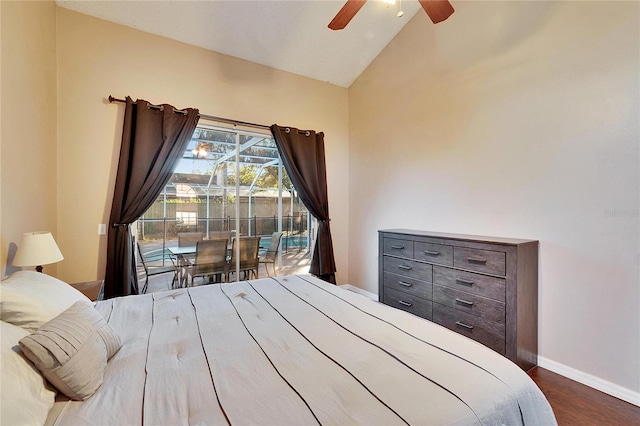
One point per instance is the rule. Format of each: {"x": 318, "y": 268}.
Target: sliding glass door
{"x": 233, "y": 181}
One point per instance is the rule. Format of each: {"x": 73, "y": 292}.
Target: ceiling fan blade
{"x": 438, "y": 10}
{"x": 348, "y": 11}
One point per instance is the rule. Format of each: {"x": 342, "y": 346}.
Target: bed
{"x": 294, "y": 350}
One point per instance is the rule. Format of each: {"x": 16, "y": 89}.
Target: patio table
{"x": 180, "y": 253}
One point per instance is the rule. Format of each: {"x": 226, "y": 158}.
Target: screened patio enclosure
{"x": 228, "y": 180}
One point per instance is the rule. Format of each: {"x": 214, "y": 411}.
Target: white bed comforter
{"x": 294, "y": 351}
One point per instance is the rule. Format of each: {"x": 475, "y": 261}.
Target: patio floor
{"x": 294, "y": 262}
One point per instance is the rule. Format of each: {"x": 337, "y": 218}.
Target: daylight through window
{"x": 230, "y": 181}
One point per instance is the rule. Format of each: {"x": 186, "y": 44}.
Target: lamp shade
{"x": 37, "y": 248}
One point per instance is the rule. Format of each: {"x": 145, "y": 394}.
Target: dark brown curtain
{"x": 153, "y": 140}
{"x": 302, "y": 153}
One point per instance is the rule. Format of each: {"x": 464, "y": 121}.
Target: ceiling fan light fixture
{"x": 437, "y": 10}
{"x": 400, "y": 13}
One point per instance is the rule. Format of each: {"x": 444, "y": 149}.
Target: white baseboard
{"x": 358, "y": 290}
{"x": 591, "y": 381}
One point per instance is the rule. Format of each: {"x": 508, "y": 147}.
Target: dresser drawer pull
{"x": 474, "y": 259}
{"x": 402, "y": 283}
{"x": 467, "y": 326}
{"x": 405, "y": 267}
{"x": 463, "y": 281}
{"x": 464, "y": 302}
{"x": 432, "y": 253}
{"x": 403, "y": 303}
{"x": 397, "y": 247}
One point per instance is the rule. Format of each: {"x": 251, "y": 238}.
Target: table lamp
{"x": 37, "y": 248}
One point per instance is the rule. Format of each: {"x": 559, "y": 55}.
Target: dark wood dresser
{"x": 485, "y": 288}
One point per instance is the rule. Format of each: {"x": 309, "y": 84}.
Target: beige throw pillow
{"x": 109, "y": 336}
{"x": 70, "y": 350}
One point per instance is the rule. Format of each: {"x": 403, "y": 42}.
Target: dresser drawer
{"x": 487, "y": 261}
{"x": 408, "y": 302}
{"x": 482, "y": 285}
{"x": 487, "y": 309}
{"x": 408, "y": 285}
{"x": 408, "y": 268}
{"x": 397, "y": 247}
{"x": 436, "y": 253}
{"x": 488, "y": 333}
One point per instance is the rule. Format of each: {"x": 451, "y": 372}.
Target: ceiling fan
{"x": 438, "y": 11}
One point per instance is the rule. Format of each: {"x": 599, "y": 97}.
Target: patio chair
{"x": 151, "y": 267}
{"x": 271, "y": 255}
{"x": 249, "y": 247}
{"x": 220, "y": 235}
{"x": 186, "y": 239}
{"x": 210, "y": 260}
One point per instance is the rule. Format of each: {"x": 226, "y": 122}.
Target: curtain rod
{"x": 204, "y": 116}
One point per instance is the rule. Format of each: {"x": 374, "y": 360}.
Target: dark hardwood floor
{"x": 576, "y": 404}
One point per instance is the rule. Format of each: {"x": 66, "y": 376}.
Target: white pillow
{"x": 24, "y": 396}
{"x": 29, "y": 299}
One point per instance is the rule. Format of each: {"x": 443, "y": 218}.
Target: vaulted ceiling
{"x": 290, "y": 35}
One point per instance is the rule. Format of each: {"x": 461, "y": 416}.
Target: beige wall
{"x": 519, "y": 120}
{"x": 97, "y": 59}
{"x": 28, "y": 192}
